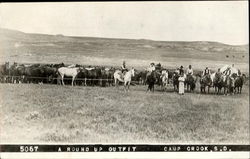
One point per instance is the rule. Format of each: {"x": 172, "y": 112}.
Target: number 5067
{"x": 28, "y": 148}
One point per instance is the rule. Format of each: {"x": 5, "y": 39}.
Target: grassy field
{"x": 49, "y": 113}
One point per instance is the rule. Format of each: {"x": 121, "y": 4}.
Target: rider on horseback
{"x": 123, "y": 68}
{"x": 151, "y": 67}
{"x": 227, "y": 71}
{"x": 181, "y": 71}
{"x": 190, "y": 70}
{"x": 206, "y": 72}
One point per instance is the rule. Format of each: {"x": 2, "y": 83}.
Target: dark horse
{"x": 4, "y": 72}
{"x": 190, "y": 83}
{"x": 218, "y": 82}
{"x": 205, "y": 81}
{"x": 239, "y": 81}
{"x": 175, "y": 81}
{"x": 151, "y": 80}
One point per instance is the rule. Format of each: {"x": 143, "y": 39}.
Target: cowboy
{"x": 124, "y": 69}
{"x": 206, "y": 72}
{"x": 190, "y": 70}
{"x": 228, "y": 71}
{"x": 151, "y": 67}
{"x": 218, "y": 72}
{"x": 181, "y": 71}
{"x": 177, "y": 70}
{"x": 239, "y": 73}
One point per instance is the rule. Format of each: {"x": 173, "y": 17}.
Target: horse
{"x": 4, "y": 72}
{"x": 228, "y": 84}
{"x": 81, "y": 78}
{"x": 217, "y": 81}
{"x": 142, "y": 77}
{"x": 175, "y": 81}
{"x": 106, "y": 75}
{"x": 126, "y": 79}
{"x": 164, "y": 80}
{"x": 151, "y": 80}
{"x": 71, "y": 72}
{"x": 205, "y": 81}
{"x": 190, "y": 83}
{"x": 239, "y": 81}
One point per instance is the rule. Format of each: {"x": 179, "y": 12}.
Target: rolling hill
{"x": 42, "y": 48}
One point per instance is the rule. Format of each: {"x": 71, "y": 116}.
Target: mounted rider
{"x": 206, "y": 72}
{"x": 124, "y": 68}
{"x": 151, "y": 67}
{"x": 190, "y": 70}
{"x": 227, "y": 72}
{"x": 181, "y": 70}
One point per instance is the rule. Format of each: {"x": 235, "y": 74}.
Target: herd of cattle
{"x": 103, "y": 76}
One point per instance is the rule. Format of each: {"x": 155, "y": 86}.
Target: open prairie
{"x": 139, "y": 53}
{"x": 32, "y": 113}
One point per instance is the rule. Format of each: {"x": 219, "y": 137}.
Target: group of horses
{"x": 56, "y": 74}
{"x": 229, "y": 84}
{"x": 108, "y": 76}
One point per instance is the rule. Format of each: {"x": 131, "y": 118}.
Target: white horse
{"x": 71, "y": 72}
{"x": 127, "y": 78}
{"x": 164, "y": 79}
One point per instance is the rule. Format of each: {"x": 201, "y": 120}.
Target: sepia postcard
{"x": 163, "y": 79}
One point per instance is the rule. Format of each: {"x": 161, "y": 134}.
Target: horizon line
{"x": 121, "y": 38}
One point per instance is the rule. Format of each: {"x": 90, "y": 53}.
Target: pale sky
{"x": 222, "y": 21}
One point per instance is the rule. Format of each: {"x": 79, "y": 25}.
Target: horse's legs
{"x": 73, "y": 78}
{"x": 128, "y": 85}
{"x": 116, "y": 83}
{"x": 125, "y": 86}
{"x": 62, "y": 80}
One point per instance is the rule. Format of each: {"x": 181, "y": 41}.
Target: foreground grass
{"x": 50, "y": 113}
